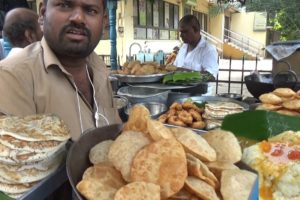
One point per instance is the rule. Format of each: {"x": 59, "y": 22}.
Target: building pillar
{"x": 112, "y": 9}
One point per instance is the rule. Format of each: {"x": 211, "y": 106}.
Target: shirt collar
{"x": 50, "y": 60}
{"x": 49, "y": 57}
{"x": 201, "y": 43}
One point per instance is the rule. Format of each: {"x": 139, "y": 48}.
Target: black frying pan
{"x": 78, "y": 155}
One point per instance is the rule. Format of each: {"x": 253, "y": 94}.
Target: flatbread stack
{"x": 281, "y": 100}
{"x": 31, "y": 148}
{"x": 215, "y": 112}
{"x": 156, "y": 162}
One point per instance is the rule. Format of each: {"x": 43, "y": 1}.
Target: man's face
{"x": 73, "y": 27}
{"x": 187, "y": 33}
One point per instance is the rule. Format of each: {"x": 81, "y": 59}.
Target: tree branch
{"x": 232, "y": 1}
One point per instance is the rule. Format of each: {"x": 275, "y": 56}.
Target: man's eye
{"x": 64, "y": 5}
{"x": 92, "y": 11}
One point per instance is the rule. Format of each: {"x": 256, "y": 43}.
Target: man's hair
{"x": 104, "y": 3}
{"x": 190, "y": 20}
{"x": 17, "y": 23}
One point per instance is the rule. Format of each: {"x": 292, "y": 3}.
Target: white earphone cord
{"x": 97, "y": 114}
{"x": 79, "y": 109}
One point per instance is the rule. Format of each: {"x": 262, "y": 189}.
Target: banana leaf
{"x": 260, "y": 124}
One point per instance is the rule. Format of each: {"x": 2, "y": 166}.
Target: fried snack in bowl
{"x": 198, "y": 169}
{"x": 270, "y": 98}
{"x": 124, "y": 149}
{"x": 236, "y": 184}
{"x": 292, "y": 104}
{"x": 102, "y": 182}
{"x": 195, "y": 144}
{"x": 183, "y": 194}
{"x": 288, "y": 112}
{"x": 171, "y": 68}
{"x": 158, "y": 130}
{"x": 200, "y": 188}
{"x": 298, "y": 94}
{"x": 99, "y": 153}
{"x": 219, "y": 166}
{"x": 225, "y": 144}
{"x": 162, "y": 162}
{"x": 138, "y": 190}
{"x": 267, "y": 106}
{"x": 185, "y": 114}
{"x": 138, "y": 119}
{"x": 131, "y": 64}
{"x": 284, "y": 92}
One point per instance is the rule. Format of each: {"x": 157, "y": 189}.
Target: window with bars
{"x": 155, "y": 20}
{"x": 203, "y": 20}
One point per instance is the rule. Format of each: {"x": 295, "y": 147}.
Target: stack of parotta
{"x": 215, "y": 112}
{"x": 31, "y": 148}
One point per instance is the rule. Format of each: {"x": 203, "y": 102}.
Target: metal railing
{"x": 245, "y": 43}
{"x": 243, "y": 72}
{"x": 214, "y": 40}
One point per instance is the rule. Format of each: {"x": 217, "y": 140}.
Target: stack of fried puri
{"x": 31, "y": 148}
{"x": 281, "y": 100}
{"x": 215, "y": 112}
{"x": 150, "y": 161}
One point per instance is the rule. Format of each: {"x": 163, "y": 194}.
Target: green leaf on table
{"x": 5, "y": 197}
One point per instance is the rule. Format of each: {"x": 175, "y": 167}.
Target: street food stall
{"x": 285, "y": 70}
{"x": 204, "y": 146}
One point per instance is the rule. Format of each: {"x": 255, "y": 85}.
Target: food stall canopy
{"x": 288, "y": 51}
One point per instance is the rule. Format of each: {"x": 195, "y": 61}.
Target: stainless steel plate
{"x": 202, "y": 99}
{"x": 139, "y": 78}
{"x": 78, "y": 155}
{"x": 166, "y": 87}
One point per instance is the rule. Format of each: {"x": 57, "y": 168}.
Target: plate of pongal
{"x": 144, "y": 159}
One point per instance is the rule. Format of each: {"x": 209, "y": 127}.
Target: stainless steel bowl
{"x": 235, "y": 96}
{"x": 143, "y": 94}
{"x": 155, "y": 108}
{"x": 121, "y": 103}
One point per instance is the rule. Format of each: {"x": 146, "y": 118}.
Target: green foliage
{"x": 223, "y": 5}
{"x": 219, "y": 8}
{"x": 283, "y": 15}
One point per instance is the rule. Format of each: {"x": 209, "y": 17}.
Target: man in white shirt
{"x": 196, "y": 53}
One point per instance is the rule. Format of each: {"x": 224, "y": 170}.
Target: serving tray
{"x": 214, "y": 99}
{"x": 152, "y": 78}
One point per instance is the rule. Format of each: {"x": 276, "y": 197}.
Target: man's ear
{"x": 42, "y": 10}
{"x": 30, "y": 36}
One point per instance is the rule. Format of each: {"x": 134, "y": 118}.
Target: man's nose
{"x": 77, "y": 15}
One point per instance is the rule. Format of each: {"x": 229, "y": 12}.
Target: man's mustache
{"x": 78, "y": 28}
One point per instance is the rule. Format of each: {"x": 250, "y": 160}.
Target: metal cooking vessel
{"x": 144, "y": 94}
{"x": 155, "y": 109}
{"x": 257, "y": 87}
{"x": 258, "y": 84}
{"x": 78, "y": 156}
{"x": 235, "y": 96}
